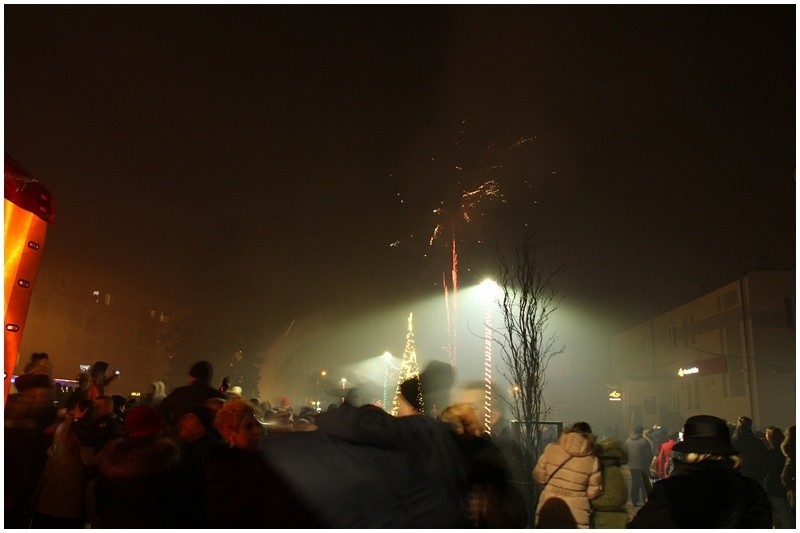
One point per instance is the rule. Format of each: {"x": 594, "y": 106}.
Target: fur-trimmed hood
{"x": 609, "y": 448}
{"x": 136, "y": 458}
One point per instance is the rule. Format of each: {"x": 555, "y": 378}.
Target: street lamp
{"x": 321, "y": 374}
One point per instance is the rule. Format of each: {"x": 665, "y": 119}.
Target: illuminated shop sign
{"x": 615, "y": 396}
{"x": 715, "y": 365}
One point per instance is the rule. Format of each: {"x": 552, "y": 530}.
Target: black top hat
{"x": 705, "y": 434}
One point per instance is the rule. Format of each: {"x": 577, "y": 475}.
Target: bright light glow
{"x": 490, "y": 289}
{"x": 387, "y": 356}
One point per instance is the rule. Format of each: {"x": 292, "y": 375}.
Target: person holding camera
{"x": 99, "y": 380}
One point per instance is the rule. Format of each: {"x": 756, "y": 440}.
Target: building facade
{"x": 728, "y": 353}
{"x": 79, "y": 316}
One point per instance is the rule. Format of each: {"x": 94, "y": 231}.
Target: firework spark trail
{"x": 465, "y": 207}
{"x": 450, "y": 331}
{"x": 469, "y": 201}
{"x": 454, "y": 316}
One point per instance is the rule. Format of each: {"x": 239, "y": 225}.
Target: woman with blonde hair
{"x": 462, "y": 418}
{"x": 156, "y": 392}
{"x": 237, "y": 422}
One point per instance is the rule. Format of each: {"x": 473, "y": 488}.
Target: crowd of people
{"x": 711, "y": 474}
{"x": 203, "y": 457}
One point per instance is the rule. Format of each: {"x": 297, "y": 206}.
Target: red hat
{"x": 143, "y": 421}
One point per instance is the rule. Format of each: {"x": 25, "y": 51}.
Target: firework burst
{"x": 461, "y": 210}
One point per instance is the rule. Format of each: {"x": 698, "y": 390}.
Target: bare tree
{"x": 528, "y": 301}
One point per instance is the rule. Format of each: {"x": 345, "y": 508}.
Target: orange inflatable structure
{"x": 28, "y": 209}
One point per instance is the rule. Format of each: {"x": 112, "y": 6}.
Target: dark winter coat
{"x": 351, "y": 486}
{"x": 772, "y": 481}
{"x": 243, "y": 491}
{"x": 755, "y": 461}
{"x": 789, "y": 474}
{"x": 436, "y": 463}
{"x": 707, "y": 495}
{"x": 140, "y": 485}
{"x": 25, "y": 449}
{"x": 60, "y": 490}
{"x": 490, "y": 476}
{"x": 184, "y": 398}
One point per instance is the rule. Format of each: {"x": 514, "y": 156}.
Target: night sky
{"x": 265, "y": 157}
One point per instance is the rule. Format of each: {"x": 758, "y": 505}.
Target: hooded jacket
{"x": 706, "y": 495}
{"x": 571, "y": 476}
{"x": 640, "y": 453}
{"x": 140, "y": 485}
{"x": 609, "y": 507}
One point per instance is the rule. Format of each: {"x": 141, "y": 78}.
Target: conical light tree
{"x": 408, "y": 366}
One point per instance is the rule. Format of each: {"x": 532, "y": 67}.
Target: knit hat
{"x": 705, "y": 434}
{"x": 143, "y": 421}
{"x": 202, "y": 371}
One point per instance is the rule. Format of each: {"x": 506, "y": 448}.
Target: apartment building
{"x": 728, "y": 353}
{"x": 78, "y": 315}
